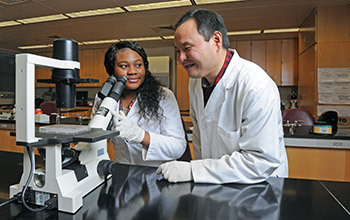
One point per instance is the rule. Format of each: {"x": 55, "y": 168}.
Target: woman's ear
{"x": 217, "y": 38}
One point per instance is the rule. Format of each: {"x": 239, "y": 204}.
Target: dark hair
{"x": 150, "y": 92}
{"x": 207, "y": 23}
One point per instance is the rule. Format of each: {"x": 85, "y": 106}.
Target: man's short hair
{"x": 207, "y": 23}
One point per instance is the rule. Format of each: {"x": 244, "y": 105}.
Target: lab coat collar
{"x": 218, "y": 95}
{"x": 231, "y": 74}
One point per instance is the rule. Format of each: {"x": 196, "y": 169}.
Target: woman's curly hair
{"x": 150, "y": 92}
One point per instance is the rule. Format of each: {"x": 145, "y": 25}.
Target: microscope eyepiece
{"x": 118, "y": 88}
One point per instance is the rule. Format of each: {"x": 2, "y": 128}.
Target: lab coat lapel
{"x": 216, "y": 99}
{"x": 218, "y": 96}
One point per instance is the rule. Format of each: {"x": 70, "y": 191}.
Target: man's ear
{"x": 217, "y": 38}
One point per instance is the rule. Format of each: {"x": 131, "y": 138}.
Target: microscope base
{"x": 62, "y": 183}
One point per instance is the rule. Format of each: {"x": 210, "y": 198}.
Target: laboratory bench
{"x": 137, "y": 192}
{"x": 315, "y": 156}
{"x": 304, "y": 137}
{"x": 310, "y": 156}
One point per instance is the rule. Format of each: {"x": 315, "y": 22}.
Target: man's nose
{"x": 181, "y": 56}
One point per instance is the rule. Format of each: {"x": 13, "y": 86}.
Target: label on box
{"x": 322, "y": 129}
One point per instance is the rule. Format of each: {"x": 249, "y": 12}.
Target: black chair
{"x": 302, "y": 115}
{"x": 331, "y": 118}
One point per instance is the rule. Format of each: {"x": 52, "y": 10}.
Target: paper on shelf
{"x": 334, "y": 85}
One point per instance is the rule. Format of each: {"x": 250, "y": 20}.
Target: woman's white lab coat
{"x": 167, "y": 139}
{"x": 239, "y": 134}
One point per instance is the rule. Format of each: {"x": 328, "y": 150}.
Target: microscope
{"x": 61, "y": 184}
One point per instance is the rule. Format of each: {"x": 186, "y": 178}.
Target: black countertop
{"x": 306, "y": 132}
{"x": 136, "y": 192}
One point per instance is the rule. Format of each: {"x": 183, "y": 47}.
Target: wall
{"x": 165, "y": 51}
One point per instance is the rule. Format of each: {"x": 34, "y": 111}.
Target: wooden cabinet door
{"x": 307, "y": 80}
{"x": 289, "y": 63}
{"x": 92, "y": 66}
{"x": 318, "y": 163}
{"x": 307, "y": 33}
{"x": 182, "y": 95}
{"x": 43, "y": 72}
{"x": 8, "y": 142}
{"x": 244, "y": 49}
{"x": 273, "y": 60}
{"x": 85, "y": 112}
{"x": 258, "y": 55}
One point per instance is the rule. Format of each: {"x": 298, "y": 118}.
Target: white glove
{"x": 176, "y": 171}
{"x": 128, "y": 130}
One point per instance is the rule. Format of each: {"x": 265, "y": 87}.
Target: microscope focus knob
{"x": 105, "y": 167}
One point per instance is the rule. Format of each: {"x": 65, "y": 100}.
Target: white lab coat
{"x": 238, "y": 136}
{"x": 167, "y": 139}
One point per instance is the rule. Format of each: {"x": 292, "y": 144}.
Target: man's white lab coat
{"x": 238, "y": 136}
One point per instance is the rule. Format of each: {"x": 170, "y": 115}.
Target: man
{"x": 235, "y": 109}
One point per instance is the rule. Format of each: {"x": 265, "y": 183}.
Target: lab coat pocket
{"x": 229, "y": 141}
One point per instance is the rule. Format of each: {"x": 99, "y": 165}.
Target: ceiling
{"x": 238, "y": 16}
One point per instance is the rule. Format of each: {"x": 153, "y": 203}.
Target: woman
{"x": 148, "y": 116}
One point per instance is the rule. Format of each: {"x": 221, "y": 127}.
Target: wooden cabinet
{"x": 182, "y": 80}
{"x": 307, "y": 35}
{"x": 43, "y": 73}
{"x": 91, "y": 66}
{"x": 244, "y": 49}
{"x": 319, "y": 163}
{"x": 282, "y": 61}
{"x": 289, "y": 68}
{"x": 83, "y": 111}
{"x": 273, "y": 60}
{"x": 258, "y": 54}
{"x": 324, "y": 42}
{"x": 279, "y": 58}
{"x": 307, "y": 80}
{"x": 8, "y": 143}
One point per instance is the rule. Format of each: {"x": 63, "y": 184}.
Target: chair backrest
{"x": 298, "y": 114}
{"x": 49, "y": 108}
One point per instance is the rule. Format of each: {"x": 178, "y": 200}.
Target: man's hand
{"x": 176, "y": 171}
{"x": 128, "y": 130}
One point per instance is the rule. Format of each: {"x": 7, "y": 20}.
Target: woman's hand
{"x": 128, "y": 130}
